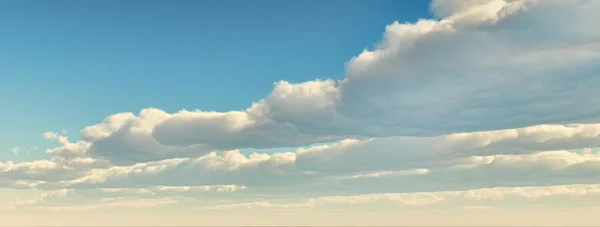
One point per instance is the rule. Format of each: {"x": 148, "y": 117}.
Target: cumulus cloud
{"x": 472, "y": 99}
{"x": 483, "y": 65}
{"x": 478, "y": 68}
{"x": 120, "y": 134}
{"x": 42, "y": 170}
{"x": 211, "y": 169}
{"x": 535, "y": 155}
{"x": 511, "y": 157}
{"x": 475, "y": 69}
{"x": 407, "y": 153}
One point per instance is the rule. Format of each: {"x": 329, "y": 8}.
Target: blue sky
{"x": 442, "y": 112}
{"x": 67, "y": 63}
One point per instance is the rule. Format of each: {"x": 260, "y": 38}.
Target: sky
{"x": 449, "y": 112}
{"x": 90, "y": 59}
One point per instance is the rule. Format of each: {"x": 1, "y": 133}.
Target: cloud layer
{"x": 493, "y": 100}
{"x": 485, "y": 65}
{"x": 541, "y": 155}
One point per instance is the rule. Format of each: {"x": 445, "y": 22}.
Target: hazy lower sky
{"x": 451, "y": 112}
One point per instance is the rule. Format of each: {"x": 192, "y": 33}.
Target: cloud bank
{"x": 494, "y": 99}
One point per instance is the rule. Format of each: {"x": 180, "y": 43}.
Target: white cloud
{"x": 486, "y": 65}
{"x": 349, "y": 157}
{"x": 15, "y": 150}
{"x": 120, "y": 134}
{"x": 388, "y": 174}
{"x": 407, "y": 153}
{"x": 479, "y": 68}
{"x": 441, "y": 106}
{"x": 55, "y": 136}
{"x": 263, "y": 204}
{"x": 515, "y": 157}
{"x": 481, "y": 197}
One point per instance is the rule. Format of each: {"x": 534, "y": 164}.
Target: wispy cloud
{"x": 15, "y": 150}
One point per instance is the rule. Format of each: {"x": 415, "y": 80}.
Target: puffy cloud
{"x": 19, "y": 184}
{"x": 479, "y": 169}
{"x": 55, "y": 136}
{"x": 441, "y": 107}
{"x": 483, "y": 65}
{"x": 125, "y": 138}
{"x": 535, "y": 155}
{"x": 475, "y": 69}
{"x": 511, "y": 157}
{"x": 405, "y": 153}
{"x": 37, "y": 171}
{"x": 87, "y": 199}
{"x": 211, "y": 169}
{"x": 350, "y": 155}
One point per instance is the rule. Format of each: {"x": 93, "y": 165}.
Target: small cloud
{"x": 55, "y": 136}
{"x": 64, "y": 132}
{"x": 34, "y": 147}
{"x": 15, "y": 150}
{"x": 50, "y": 135}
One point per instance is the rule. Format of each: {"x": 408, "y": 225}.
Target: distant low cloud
{"x": 543, "y": 155}
{"x": 475, "y": 198}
